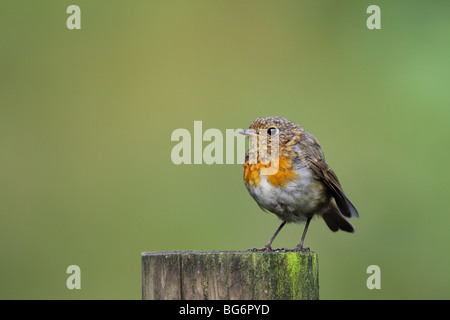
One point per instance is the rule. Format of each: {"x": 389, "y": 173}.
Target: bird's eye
{"x": 272, "y": 131}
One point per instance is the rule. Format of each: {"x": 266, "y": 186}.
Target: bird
{"x": 286, "y": 174}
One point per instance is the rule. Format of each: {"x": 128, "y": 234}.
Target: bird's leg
{"x": 299, "y": 247}
{"x": 268, "y": 246}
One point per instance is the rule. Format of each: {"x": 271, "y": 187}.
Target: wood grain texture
{"x": 230, "y": 275}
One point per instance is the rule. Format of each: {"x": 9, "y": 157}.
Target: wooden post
{"x": 230, "y": 275}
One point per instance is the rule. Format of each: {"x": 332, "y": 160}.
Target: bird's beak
{"x": 248, "y": 133}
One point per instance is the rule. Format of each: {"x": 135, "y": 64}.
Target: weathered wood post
{"x": 230, "y": 275}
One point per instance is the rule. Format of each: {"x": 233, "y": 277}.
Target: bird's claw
{"x": 263, "y": 249}
{"x": 296, "y": 249}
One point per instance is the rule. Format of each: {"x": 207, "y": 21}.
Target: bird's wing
{"x": 313, "y": 154}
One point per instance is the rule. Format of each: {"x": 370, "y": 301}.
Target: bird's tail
{"x": 336, "y": 221}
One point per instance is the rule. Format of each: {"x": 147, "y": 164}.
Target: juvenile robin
{"x": 302, "y": 186}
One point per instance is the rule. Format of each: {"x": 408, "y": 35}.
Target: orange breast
{"x": 284, "y": 174}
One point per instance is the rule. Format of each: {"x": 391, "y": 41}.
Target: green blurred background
{"x": 86, "y": 118}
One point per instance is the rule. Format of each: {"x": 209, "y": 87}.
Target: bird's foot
{"x": 266, "y": 248}
{"x": 296, "y": 249}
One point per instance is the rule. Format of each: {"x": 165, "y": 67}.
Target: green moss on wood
{"x": 238, "y": 275}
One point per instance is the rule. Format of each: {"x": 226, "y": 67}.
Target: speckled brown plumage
{"x": 303, "y": 185}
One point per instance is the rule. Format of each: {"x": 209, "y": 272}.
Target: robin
{"x": 303, "y": 184}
